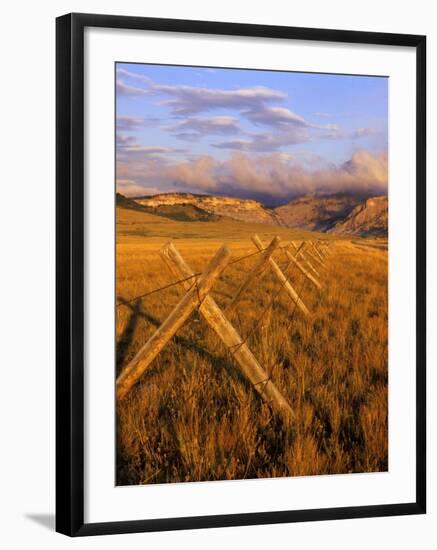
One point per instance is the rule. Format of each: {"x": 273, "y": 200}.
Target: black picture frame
{"x": 70, "y": 273}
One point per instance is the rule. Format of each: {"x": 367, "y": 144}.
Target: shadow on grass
{"x": 127, "y": 337}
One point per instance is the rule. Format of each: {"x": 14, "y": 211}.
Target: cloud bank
{"x": 273, "y": 178}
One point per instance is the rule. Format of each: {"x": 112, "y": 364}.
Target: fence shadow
{"x": 190, "y": 345}
{"x": 127, "y": 335}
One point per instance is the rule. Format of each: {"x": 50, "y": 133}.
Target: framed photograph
{"x": 240, "y": 274}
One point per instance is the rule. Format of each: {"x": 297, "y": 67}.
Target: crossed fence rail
{"x": 197, "y": 296}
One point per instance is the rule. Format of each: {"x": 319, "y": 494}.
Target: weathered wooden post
{"x": 321, "y": 248}
{"x": 304, "y": 258}
{"x": 218, "y": 321}
{"x": 316, "y": 251}
{"x": 282, "y": 278}
{"x": 302, "y": 269}
{"x": 256, "y": 269}
{"x": 192, "y": 299}
{"x": 315, "y": 258}
{"x": 326, "y": 247}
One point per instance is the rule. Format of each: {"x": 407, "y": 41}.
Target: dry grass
{"x": 193, "y": 417}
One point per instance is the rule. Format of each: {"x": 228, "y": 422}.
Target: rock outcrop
{"x": 367, "y": 219}
{"x": 246, "y": 210}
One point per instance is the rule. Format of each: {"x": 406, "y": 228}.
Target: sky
{"x": 265, "y": 135}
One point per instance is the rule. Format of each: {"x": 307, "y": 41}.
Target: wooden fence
{"x": 308, "y": 257}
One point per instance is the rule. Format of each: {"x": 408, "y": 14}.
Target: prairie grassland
{"x": 193, "y": 417}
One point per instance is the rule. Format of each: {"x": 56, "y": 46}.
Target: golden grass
{"x": 193, "y": 417}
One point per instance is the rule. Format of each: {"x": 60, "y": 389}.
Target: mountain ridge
{"x": 317, "y": 212}
{"x": 248, "y": 210}
{"x": 343, "y": 213}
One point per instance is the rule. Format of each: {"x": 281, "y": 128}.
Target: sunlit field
{"x": 194, "y": 417}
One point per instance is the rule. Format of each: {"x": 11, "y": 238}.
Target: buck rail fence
{"x": 308, "y": 257}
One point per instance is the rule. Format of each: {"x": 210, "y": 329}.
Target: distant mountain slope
{"x": 125, "y": 202}
{"x": 246, "y": 210}
{"x": 368, "y": 218}
{"x": 317, "y": 212}
{"x": 178, "y": 212}
{"x": 342, "y": 213}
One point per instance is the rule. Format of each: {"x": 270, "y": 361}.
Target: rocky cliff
{"x": 369, "y": 218}
{"x": 246, "y": 210}
{"x": 317, "y": 212}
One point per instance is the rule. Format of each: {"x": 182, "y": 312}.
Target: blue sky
{"x": 260, "y": 134}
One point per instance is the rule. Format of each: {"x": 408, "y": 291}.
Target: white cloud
{"x": 126, "y": 90}
{"x": 194, "y": 127}
{"x": 129, "y": 122}
{"x": 186, "y": 100}
{"x": 130, "y": 188}
{"x": 276, "y": 117}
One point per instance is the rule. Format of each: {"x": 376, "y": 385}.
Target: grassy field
{"x": 193, "y": 417}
